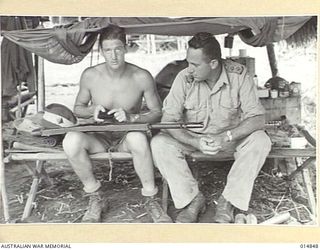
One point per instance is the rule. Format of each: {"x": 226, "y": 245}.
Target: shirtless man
{"x": 119, "y": 87}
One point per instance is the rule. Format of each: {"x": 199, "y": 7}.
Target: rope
{"x": 110, "y": 163}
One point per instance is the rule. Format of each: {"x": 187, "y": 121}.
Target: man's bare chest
{"x": 116, "y": 94}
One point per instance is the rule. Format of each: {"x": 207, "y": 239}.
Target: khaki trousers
{"x": 249, "y": 153}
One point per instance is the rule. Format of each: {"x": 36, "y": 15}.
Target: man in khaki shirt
{"x": 221, "y": 94}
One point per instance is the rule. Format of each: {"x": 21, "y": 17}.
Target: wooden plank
{"x": 19, "y": 145}
{"x": 116, "y": 156}
{"x": 292, "y": 152}
{"x": 196, "y": 156}
{"x": 275, "y": 153}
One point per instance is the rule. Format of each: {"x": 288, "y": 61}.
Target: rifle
{"x": 117, "y": 127}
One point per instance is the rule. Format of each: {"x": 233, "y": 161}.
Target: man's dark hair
{"x": 208, "y": 43}
{"x": 112, "y": 32}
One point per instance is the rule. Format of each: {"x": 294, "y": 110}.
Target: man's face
{"x": 113, "y": 52}
{"x": 199, "y": 65}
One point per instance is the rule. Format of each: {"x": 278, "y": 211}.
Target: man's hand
{"x": 96, "y": 112}
{"x": 208, "y": 145}
{"x": 120, "y": 115}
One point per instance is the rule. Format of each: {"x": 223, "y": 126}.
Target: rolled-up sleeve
{"x": 249, "y": 99}
{"x": 173, "y": 105}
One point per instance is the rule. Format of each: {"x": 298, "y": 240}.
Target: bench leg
{"x": 305, "y": 165}
{"x": 33, "y": 190}
{"x": 4, "y": 197}
{"x": 165, "y": 195}
{"x": 4, "y": 206}
{"x": 308, "y": 185}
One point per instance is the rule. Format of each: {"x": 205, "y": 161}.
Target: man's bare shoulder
{"x": 90, "y": 73}
{"x": 139, "y": 74}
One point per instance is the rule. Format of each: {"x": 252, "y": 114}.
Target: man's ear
{"x": 214, "y": 63}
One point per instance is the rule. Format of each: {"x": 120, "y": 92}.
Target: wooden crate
{"x": 288, "y": 106}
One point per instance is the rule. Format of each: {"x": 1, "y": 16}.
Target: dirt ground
{"x": 64, "y": 200}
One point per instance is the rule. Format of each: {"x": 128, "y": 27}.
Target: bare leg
{"x": 137, "y": 144}
{"x": 77, "y": 146}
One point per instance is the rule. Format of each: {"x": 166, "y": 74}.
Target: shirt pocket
{"x": 229, "y": 108}
{"x": 195, "y": 110}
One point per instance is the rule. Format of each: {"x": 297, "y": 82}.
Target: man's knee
{"x": 158, "y": 143}
{"x": 72, "y": 142}
{"x": 261, "y": 141}
{"x": 137, "y": 141}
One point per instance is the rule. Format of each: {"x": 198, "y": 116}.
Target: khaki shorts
{"x": 111, "y": 140}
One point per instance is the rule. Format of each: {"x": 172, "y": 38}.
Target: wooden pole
{"x": 277, "y": 219}
{"x": 33, "y": 190}
{"x": 19, "y": 110}
{"x": 153, "y": 45}
{"x": 148, "y": 44}
{"x": 308, "y": 185}
{"x": 5, "y": 204}
{"x": 41, "y": 80}
{"x": 272, "y": 60}
{"x": 41, "y": 85}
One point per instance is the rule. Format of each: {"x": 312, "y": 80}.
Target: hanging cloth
{"x": 16, "y": 62}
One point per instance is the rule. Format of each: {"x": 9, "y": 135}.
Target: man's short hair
{"x": 112, "y": 32}
{"x": 208, "y": 43}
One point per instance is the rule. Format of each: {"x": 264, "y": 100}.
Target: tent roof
{"x": 70, "y": 43}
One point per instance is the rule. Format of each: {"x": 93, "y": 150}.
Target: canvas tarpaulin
{"x": 71, "y": 43}
{"x": 16, "y": 62}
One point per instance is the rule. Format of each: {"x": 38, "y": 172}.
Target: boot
{"x": 224, "y": 211}
{"x": 156, "y": 212}
{"x": 190, "y": 213}
{"x": 97, "y": 204}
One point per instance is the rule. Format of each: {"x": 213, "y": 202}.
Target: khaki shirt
{"x": 233, "y": 98}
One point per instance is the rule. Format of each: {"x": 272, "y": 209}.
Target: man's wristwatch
{"x": 136, "y": 117}
{"x": 229, "y": 134}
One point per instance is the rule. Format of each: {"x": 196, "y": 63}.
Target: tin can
{"x": 274, "y": 93}
{"x": 295, "y": 88}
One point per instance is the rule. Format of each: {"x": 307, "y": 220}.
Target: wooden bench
{"x": 276, "y": 154}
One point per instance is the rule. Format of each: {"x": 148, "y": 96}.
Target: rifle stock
{"x": 120, "y": 127}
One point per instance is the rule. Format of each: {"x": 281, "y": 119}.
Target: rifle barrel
{"x": 176, "y": 125}
{"x": 120, "y": 127}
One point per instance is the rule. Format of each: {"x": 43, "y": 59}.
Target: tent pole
{"x": 41, "y": 85}
{"x": 153, "y": 44}
{"x": 4, "y": 197}
{"x": 272, "y": 60}
{"x": 40, "y": 79}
